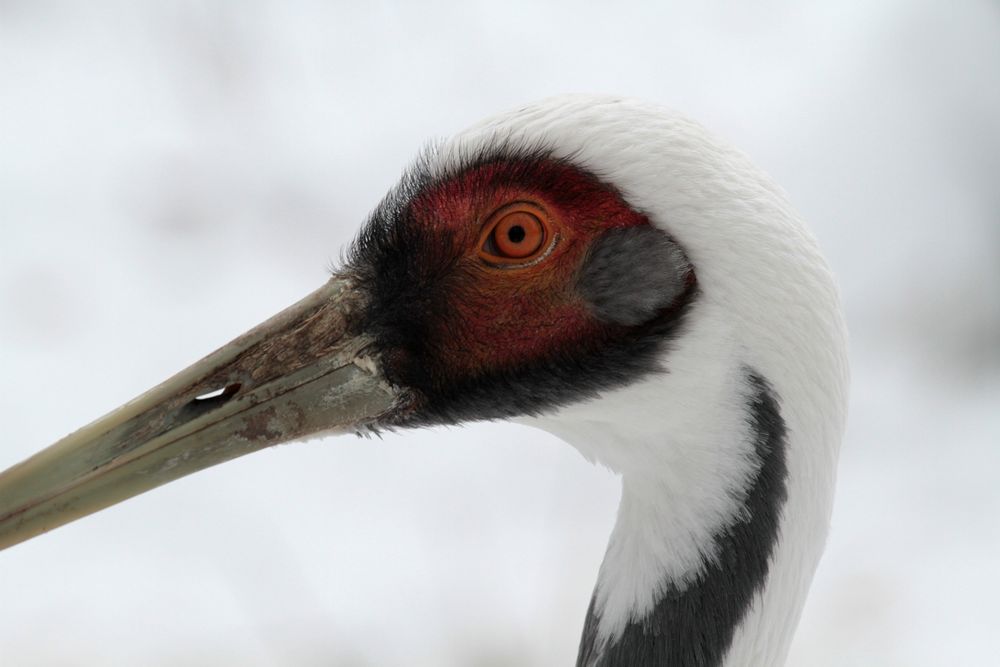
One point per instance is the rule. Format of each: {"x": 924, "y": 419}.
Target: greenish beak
{"x": 303, "y": 372}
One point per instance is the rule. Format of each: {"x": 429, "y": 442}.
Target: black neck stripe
{"x": 695, "y": 627}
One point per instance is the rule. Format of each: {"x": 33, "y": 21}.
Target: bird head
{"x": 599, "y": 267}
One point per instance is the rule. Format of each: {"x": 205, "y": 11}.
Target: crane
{"x": 598, "y": 267}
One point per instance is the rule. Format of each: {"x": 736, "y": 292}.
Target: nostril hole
{"x": 220, "y": 394}
{"x": 211, "y": 400}
{"x": 203, "y": 404}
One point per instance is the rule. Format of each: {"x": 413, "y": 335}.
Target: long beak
{"x": 300, "y": 373}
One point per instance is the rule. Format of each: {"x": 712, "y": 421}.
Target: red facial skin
{"x": 506, "y": 315}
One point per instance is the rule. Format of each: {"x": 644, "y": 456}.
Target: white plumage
{"x": 679, "y": 440}
{"x": 726, "y": 442}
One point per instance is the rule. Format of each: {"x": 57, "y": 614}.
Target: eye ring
{"x": 516, "y": 235}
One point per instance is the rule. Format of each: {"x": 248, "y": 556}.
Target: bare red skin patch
{"x": 504, "y": 317}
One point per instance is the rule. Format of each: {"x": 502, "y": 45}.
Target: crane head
{"x": 510, "y": 283}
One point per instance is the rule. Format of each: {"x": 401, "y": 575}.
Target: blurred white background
{"x": 173, "y": 173}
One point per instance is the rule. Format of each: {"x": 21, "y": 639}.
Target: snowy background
{"x": 173, "y": 173}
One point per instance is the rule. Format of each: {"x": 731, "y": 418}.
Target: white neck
{"x": 683, "y": 463}
{"x": 681, "y": 439}
{"x": 688, "y": 462}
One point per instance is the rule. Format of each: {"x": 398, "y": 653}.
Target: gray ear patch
{"x": 632, "y": 274}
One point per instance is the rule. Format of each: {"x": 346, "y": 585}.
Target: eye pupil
{"x": 516, "y": 234}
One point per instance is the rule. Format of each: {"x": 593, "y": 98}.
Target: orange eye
{"x": 515, "y": 233}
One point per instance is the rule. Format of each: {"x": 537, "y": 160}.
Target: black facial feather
{"x": 405, "y": 269}
{"x": 694, "y": 627}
